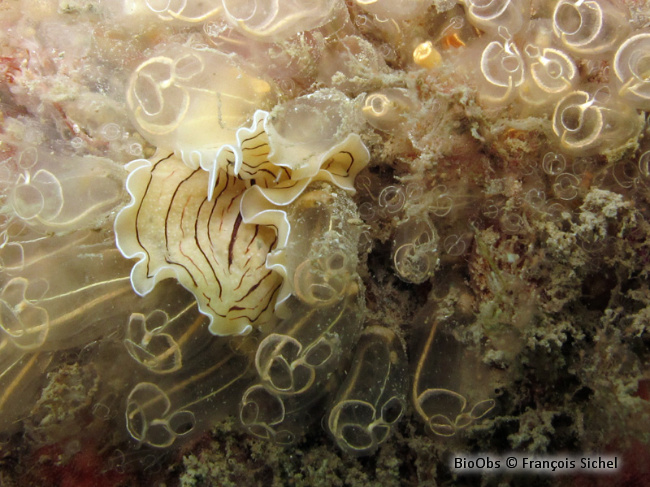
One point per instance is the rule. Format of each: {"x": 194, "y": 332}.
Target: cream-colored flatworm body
{"x": 176, "y": 231}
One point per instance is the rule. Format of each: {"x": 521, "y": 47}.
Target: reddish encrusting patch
{"x": 86, "y": 468}
{"x": 9, "y": 68}
{"x": 633, "y": 468}
{"x": 643, "y": 390}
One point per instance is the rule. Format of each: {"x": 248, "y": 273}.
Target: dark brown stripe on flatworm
{"x": 137, "y": 213}
{"x": 233, "y": 237}
{"x": 333, "y": 160}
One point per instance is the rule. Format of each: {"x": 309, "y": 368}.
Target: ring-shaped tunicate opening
{"x": 320, "y": 352}
{"x": 357, "y": 437}
{"x": 148, "y": 95}
{"x": 284, "y": 437}
{"x": 261, "y": 407}
{"x": 568, "y": 19}
{"x": 27, "y": 326}
{"x": 566, "y": 186}
{"x": 511, "y": 63}
{"x": 442, "y": 401}
{"x": 12, "y": 256}
{"x": 512, "y": 223}
{"x": 337, "y": 262}
{"x": 136, "y": 424}
{"x": 441, "y": 425}
{"x": 644, "y": 164}
{"x": 323, "y": 293}
{"x": 111, "y": 131}
{"x": 27, "y": 201}
{"x": 625, "y": 173}
{"x": 392, "y": 410}
{"x": 411, "y": 264}
{"x": 442, "y": 205}
{"x": 280, "y": 375}
{"x": 280, "y": 365}
{"x": 319, "y": 287}
{"x": 273, "y": 346}
{"x": 454, "y": 245}
{"x": 482, "y": 408}
{"x": 148, "y": 345}
{"x": 187, "y": 67}
{"x": 377, "y": 105}
{"x": 28, "y": 158}
{"x": 392, "y": 198}
{"x": 146, "y": 410}
{"x": 632, "y": 68}
{"x": 158, "y": 6}
{"x": 244, "y": 10}
{"x": 367, "y": 212}
{"x": 572, "y": 118}
{"x": 551, "y": 73}
{"x": 50, "y": 187}
{"x": 182, "y": 422}
{"x": 167, "y": 355}
{"x": 463, "y": 420}
{"x": 553, "y": 163}
{"x": 502, "y": 65}
{"x": 554, "y": 69}
{"x": 536, "y": 198}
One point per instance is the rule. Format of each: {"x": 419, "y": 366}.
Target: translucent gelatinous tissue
{"x": 296, "y": 366}
{"x": 193, "y": 101}
{"x": 161, "y": 343}
{"x": 589, "y": 122}
{"x": 274, "y": 20}
{"x": 550, "y": 73}
{"x": 589, "y": 28}
{"x": 489, "y": 15}
{"x": 502, "y": 68}
{"x": 59, "y": 291}
{"x": 318, "y": 261}
{"x": 386, "y": 109}
{"x": 60, "y": 194}
{"x": 415, "y": 250}
{"x": 395, "y": 9}
{"x": 176, "y": 231}
{"x": 632, "y": 69}
{"x": 21, "y": 380}
{"x": 321, "y": 305}
{"x": 305, "y": 141}
{"x": 185, "y": 10}
{"x": 450, "y": 383}
{"x": 308, "y": 134}
{"x": 188, "y": 402}
{"x": 372, "y": 399}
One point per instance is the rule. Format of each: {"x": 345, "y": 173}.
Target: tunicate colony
{"x": 255, "y": 149}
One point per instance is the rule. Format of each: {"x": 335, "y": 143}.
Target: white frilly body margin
{"x": 274, "y": 177}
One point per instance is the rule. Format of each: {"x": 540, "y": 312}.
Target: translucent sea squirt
{"x": 372, "y": 398}
{"x": 193, "y": 101}
{"x": 273, "y": 20}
